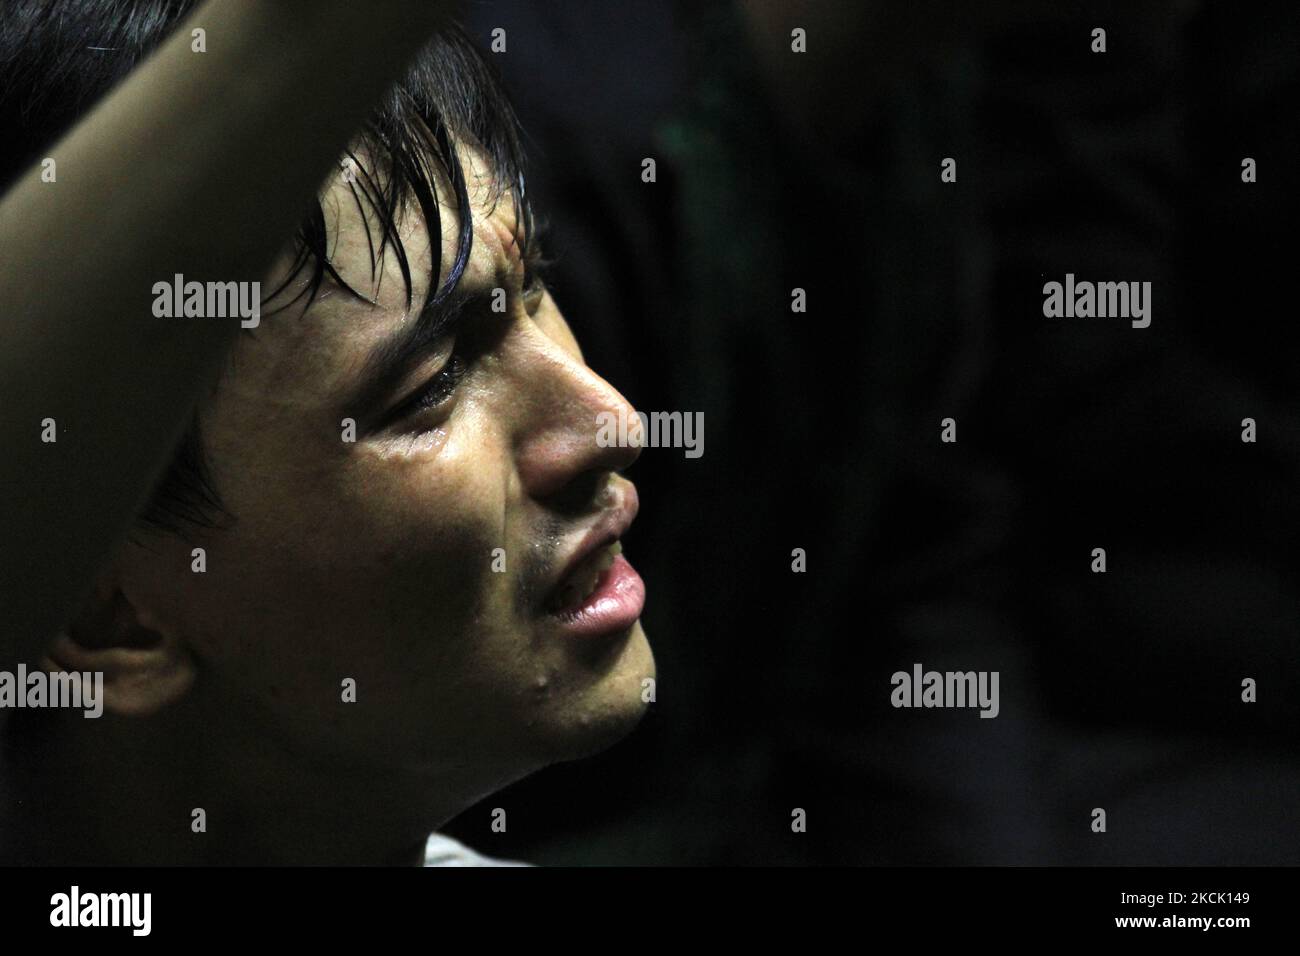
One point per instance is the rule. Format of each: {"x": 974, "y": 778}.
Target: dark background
{"x": 779, "y": 170}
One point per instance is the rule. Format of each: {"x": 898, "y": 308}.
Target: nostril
{"x": 583, "y": 494}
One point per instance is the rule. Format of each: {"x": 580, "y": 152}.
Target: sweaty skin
{"x": 368, "y": 560}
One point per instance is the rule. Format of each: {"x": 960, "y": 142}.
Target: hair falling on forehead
{"x": 449, "y": 98}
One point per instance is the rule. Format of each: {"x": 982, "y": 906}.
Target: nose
{"x": 574, "y": 428}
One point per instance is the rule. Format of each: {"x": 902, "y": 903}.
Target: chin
{"x": 607, "y": 710}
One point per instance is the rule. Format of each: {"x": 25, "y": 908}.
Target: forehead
{"x": 307, "y": 356}
{"x": 355, "y": 232}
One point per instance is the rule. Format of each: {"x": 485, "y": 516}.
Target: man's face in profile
{"x": 376, "y": 559}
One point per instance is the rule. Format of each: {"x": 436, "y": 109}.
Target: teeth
{"x": 582, "y": 584}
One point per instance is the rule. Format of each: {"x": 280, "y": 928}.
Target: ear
{"x": 146, "y": 668}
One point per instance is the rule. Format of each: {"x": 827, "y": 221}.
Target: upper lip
{"x": 609, "y": 527}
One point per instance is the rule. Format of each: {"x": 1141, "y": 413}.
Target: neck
{"x": 158, "y": 791}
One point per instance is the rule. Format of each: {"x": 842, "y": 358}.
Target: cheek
{"x": 433, "y": 518}
{"x": 382, "y": 564}
{"x": 420, "y": 517}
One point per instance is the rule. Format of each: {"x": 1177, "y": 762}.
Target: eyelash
{"x": 536, "y": 267}
{"x": 438, "y": 390}
{"x": 444, "y": 383}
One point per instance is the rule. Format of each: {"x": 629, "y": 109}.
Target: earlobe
{"x": 146, "y": 668}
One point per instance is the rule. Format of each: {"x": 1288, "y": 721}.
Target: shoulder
{"x": 442, "y": 850}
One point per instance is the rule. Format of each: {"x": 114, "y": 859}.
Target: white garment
{"x": 442, "y": 850}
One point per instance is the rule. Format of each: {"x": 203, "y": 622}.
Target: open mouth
{"x": 585, "y": 580}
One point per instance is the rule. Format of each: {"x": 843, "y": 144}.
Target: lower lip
{"x": 613, "y": 607}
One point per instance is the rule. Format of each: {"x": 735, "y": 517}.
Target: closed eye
{"x": 434, "y": 394}
{"x": 536, "y": 267}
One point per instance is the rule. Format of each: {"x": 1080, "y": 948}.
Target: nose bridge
{"x": 562, "y": 405}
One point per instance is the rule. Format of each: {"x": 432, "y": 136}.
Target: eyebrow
{"x": 392, "y": 360}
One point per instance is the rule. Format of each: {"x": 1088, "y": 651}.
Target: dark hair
{"x": 59, "y": 57}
